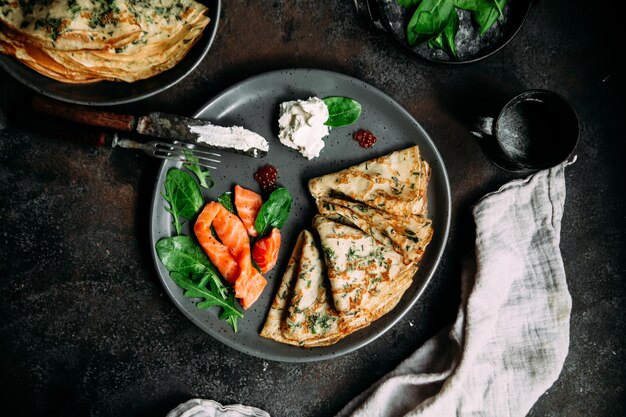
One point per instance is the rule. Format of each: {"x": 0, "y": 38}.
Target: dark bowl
{"x": 389, "y": 16}
{"x": 106, "y": 93}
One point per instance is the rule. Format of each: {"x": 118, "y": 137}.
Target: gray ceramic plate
{"x": 253, "y": 104}
{"x": 108, "y": 93}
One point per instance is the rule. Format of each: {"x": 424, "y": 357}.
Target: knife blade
{"x": 201, "y": 132}
{"x": 162, "y": 125}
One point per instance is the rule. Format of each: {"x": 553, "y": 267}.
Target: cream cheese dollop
{"x": 301, "y": 125}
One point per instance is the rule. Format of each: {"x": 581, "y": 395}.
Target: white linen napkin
{"x": 511, "y": 336}
{"x": 197, "y": 407}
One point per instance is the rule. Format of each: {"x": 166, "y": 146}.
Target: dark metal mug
{"x": 535, "y": 130}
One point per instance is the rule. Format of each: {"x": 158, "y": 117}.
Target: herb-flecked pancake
{"x": 372, "y": 229}
{"x": 395, "y": 183}
{"x": 408, "y": 235}
{"x": 80, "y": 41}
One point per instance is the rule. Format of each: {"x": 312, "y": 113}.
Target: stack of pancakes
{"x": 369, "y": 236}
{"x": 83, "y": 41}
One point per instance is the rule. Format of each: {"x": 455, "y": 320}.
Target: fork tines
{"x": 186, "y": 153}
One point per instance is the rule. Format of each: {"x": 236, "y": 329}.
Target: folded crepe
{"x": 92, "y": 41}
{"x": 362, "y": 272}
{"x": 395, "y": 183}
{"x": 370, "y": 250}
{"x": 407, "y": 235}
{"x": 303, "y": 313}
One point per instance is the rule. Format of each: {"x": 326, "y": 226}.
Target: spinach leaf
{"x": 226, "y": 200}
{"x": 407, "y": 4}
{"x": 192, "y": 270}
{"x": 204, "y": 176}
{"x": 470, "y": 5}
{"x": 274, "y": 212}
{"x": 430, "y": 19}
{"x": 182, "y": 254}
{"x": 342, "y": 111}
{"x": 183, "y": 195}
{"x": 485, "y": 12}
{"x": 489, "y": 14}
{"x": 445, "y": 40}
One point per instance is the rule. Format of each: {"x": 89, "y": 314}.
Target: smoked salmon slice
{"x": 265, "y": 251}
{"x": 249, "y": 287}
{"x": 231, "y": 231}
{"x": 248, "y": 204}
{"x": 218, "y": 253}
{"x": 234, "y": 249}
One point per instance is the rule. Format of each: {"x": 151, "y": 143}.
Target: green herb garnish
{"x": 226, "y": 200}
{"x": 51, "y": 26}
{"x": 204, "y": 175}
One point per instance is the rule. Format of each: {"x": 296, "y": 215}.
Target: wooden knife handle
{"x": 84, "y": 115}
{"x": 56, "y": 128}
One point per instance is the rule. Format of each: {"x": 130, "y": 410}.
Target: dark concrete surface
{"x": 86, "y": 328}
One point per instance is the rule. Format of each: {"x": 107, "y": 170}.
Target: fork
{"x": 186, "y": 153}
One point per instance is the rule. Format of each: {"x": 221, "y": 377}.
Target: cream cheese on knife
{"x": 233, "y": 137}
{"x": 202, "y": 132}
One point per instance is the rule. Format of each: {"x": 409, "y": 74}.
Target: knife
{"x": 161, "y": 125}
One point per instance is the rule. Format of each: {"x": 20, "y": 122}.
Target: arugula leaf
{"x": 204, "y": 175}
{"x": 183, "y": 195}
{"x": 210, "y": 296}
{"x": 445, "y": 40}
{"x": 274, "y": 212}
{"x": 430, "y": 19}
{"x": 192, "y": 270}
{"x": 226, "y": 200}
{"x": 342, "y": 111}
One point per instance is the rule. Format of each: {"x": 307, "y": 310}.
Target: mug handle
{"x": 482, "y": 126}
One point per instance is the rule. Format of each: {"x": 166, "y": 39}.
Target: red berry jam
{"x": 365, "y": 138}
{"x": 267, "y": 177}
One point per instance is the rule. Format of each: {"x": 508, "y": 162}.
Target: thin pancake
{"x": 356, "y": 263}
{"x": 148, "y": 37}
{"x": 36, "y": 59}
{"x": 71, "y": 25}
{"x": 123, "y": 67}
{"x": 395, "y": 183}
{"x": 310, "y": 316}
{"x": 373, "y": 231}
{"x": 408, "y": 235}
{"x": 302, "y": 313}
